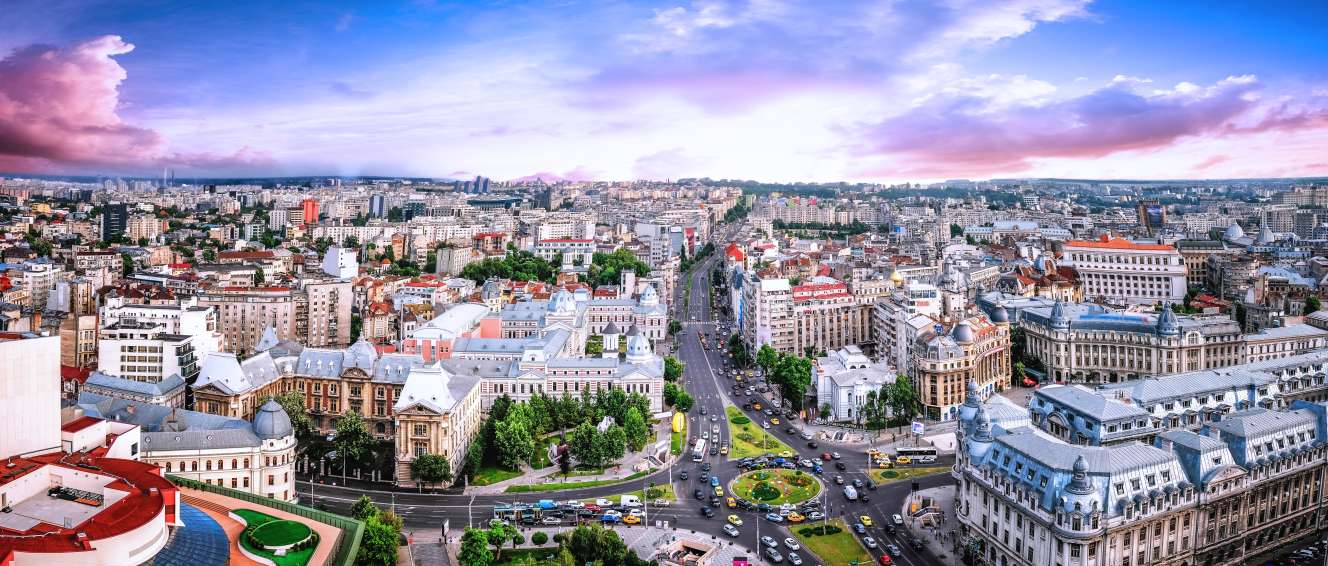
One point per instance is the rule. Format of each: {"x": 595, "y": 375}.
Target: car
{"x": 705, "y": 435}
{"x": 747, "y": 406}
{"x": 708, "y": 511}
{"x": 806, "y": 435}
{"x": 774, "y": 421}
{"x": 889, "y": 529}
{"x": 637, "y": 512}
{"x": 767, "y": 412}
{"x": 897, "y": 520}
{"x": 825, "y": 457}
{"x": 869, "y": 542}
{"x": 705, "y": 467}
{"x": 859, "y": 528}
{"x": 916, "y": 543}
{"x": 769, "y": 542}
{"x": 714, "y": 481}
{"x": 774, "y": 555}
{"x": 714, "y": 501}
{"x": 893, "y": 550}
{"x": 857, "y": 482}
{"x": 593, "y": 508}
{"x": 714, "y": 451}
{"x": 871, "y": 485}
{"x": 792, "y": 544}
{"x": 744, "y": 504}
{"x": 551, "y": 521}
{"x": 731, "y": 530}
{"x": 774, "y": 517}
{"x": 705, "y": 476}
{"x": 719, "y": 491}
{"x": 815, "y": 516}
{"x": 763, "y": 507}
{"x": 697, "y": 493}
{"x": 765, "y": 424}
{"x": 863, "y": 498}
{"x": 631, "y": 520}
{"x": 791, "y": 430}
{"x": 724, "y": 450}
{"x": 786, "y": 454}
{"x": 866, "y": 520}
{"x": 703, "y": 410}
{"x": 610, "y": 518}
{"x": 812, "y": 444}
{"x": 795, "y": 517}
{"x": 756, "y": 406}
{"x": 735, "y": 520}
{"x": 886, "y": 560}
{"x": 835, "y": 455}
{"x": 682, "y": 475}
{"x": 839, "y": 480}
{"x": 602, "y": 503}
{"x": 794, "y": 559}
{"x": 903, "y": 461}
{"x": 840, "y": 466}
{"x": 731, "y": 502}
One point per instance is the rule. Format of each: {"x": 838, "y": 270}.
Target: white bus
{"x": 699, "y": 451}
{"x": 923, "y": 454}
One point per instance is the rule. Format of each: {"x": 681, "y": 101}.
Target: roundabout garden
{"x": 267, "y": 539}
{"x": 775, "y": 487}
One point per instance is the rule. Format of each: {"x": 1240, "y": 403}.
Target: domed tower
{"x": 1059, "y": 321}
{"x": 639, "y": 350}
{"x": 562, "y": 303}
{"x": 979, "y": 442}
{"x": 649, "y": 297}
{"x": 271, "y": 422}
{"x": 1167, "y": 324}
{"x": 1000, "y": 315}
{"x": 1080, "y": 498}
{"x": 972, "y": 404}
{"x": 963, "y": 333}
{"x": 610, "y": 334}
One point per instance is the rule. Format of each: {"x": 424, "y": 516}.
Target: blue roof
{"x": 200, "y": 542}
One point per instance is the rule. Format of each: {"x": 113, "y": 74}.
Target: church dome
{"x": 649, "y": 297}
{"x": 1000, "y": 315}
{"x": 562, "y": 302}
{"x": 272, "y": 422}
{"x": 1233, "y": 232}
{"x": 638, "y": 349}
{"x": 963, "y": 333}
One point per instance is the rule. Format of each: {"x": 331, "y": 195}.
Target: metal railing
{"x": 350, "y": 530}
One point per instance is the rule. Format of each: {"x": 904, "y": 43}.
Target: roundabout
{"x": 775, "y": 486}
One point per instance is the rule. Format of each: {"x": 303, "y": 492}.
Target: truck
{"x": 630, "y": 501}
{"x": 850, "y": 493}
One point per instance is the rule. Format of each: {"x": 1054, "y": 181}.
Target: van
{"x": 630, "y": 501}
{"x": 850, "y": 493}
{"x": 546, "y": 504}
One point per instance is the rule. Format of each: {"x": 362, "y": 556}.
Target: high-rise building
{"x": 114, "y": 220}
{"x": 1152, "y": 215}
{"x": 310, "y": 208}
{"x": 376, "y": 208}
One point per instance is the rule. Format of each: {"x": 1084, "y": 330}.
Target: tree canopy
{"x": 607, "y": 268}
{"x": 517, "y": 265}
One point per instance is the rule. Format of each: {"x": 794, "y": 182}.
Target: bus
{"x": 923, "y": 454}
{"x": 698, "y": 451}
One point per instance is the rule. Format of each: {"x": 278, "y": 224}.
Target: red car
{"x": 826, "y": 456}
{"x": 593, "y": 507}
{"x": 886, "y": 560}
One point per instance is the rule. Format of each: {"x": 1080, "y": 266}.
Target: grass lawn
{"x": 276, "y": 531}
{"x": 782, "y": 482}
{"x": 538, "y": 487}
{"x": 490, "y": 475}
{"x": 901, "y": 474}
{"x": 666, "y": 492}
{"x": 678, "y": 439}
{"x": 747, "y": 440}
{"x": 515, "y": 556}
{"x": 839, "y": 548}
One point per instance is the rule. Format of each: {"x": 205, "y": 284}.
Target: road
{"x": 428, "y": 511}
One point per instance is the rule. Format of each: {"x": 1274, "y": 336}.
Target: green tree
{"x": 607, "y": 268}
{"x": 610, "y": 446}
{"x": 684, "y": 402}
{"x": 513, "y": 444}
{"x": 1312, "y": 304}
{"x": 672, "y": 368}
{"x": 956, "y": 230}
{"x": 674, "y": 327}
{"x": 636, "y": 430}
{"x": 353, "y": 441}
{"x": 378, "y": 547}
{"x": 767, "y": 358}
{"x": 475, "y": 548}
{"x": 903, "y": 399}
{"x": 499, "y": 534}
{"x": 209, "y": 255}
{"x": 293, "y": 403}
{"x": 259, "y": 277}
{"x": 594, "y": 346}
{"x": 538, "y": 538}
{"x": 126, "y": 264}
{"x": 351, "y": 242}
{"x": 363, "y": 508}
{"x": 595, "y": 544}
{"x": 356, "y": 327}
{"x": 793, "y": 376}
{"x": 583, "y": 443}
{"x": 431, "y": 262}
{"x": 431, "y": 468}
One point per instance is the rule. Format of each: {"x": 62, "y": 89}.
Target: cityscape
{"x": 704, "y": 283}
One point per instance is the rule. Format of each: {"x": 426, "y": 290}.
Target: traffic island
{"x": 747, "y": 439}
{"x": 832, "y": 542}
{"x": 775, "y": 487}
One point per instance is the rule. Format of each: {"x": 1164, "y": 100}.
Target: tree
{"x": 356, "y": 327}
{"x": 767, "y": 357}
{"x": 431, "y": 468}
{"x": 126, "y": 264}
{"x": 352, "y": 439}
{"x": 826, "y": 409}
{"x": 956, "y": 230}
{"x": 793, "y": 376}
{"x": 684, "y": 402}
{"x": 674, "y": 327}
{"x": 513, "y": 444}
{"x": 499, "y": 534}
{"x": 539, "y": 538}
{"x": 595, "y": 544}
{"x": 293, "y": 403}
{"x": 594, "y": 346}
{"x": 565, "y": 459}
{"x": 583, "y": 443}
{"x": 517, "y": 265}
{"x": 1312, "y": 305}
{"x": 875, "y": 410}
{"x": 672, "y": 368}
{"x": 431, "y": 262}
{"x": 903, "y": 399}
{"x": 378, "y": 547}
{"x": 607, "y": 268}
{"x": 209, "y": 255}
{"x": 363, "y": 508}
{"x": 350, "y": 242}
{"x": 475, "y": 548}
{"x": 259, "y": 277}
{"x": 634, "y": 425}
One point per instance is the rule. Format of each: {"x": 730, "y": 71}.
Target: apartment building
{"x": 1123, "y": 271}
{"x": 765, "y": 314}
{"x": 827, "y": 317}
{"x": 974, "y": 349}
{"x": 245, "y": 313}
{"x": 145, "y": 351}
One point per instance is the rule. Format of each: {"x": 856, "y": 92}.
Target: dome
{"x": 1000, "y": 315}
{"x": 361, "y": 355}
{"x": 963, "y": 332}
{"x": 562, "y": 302}
{"x": 972, "y": 404}
{"x": 1167, "y": 325}
{"x": 638, "y": 349}
{"x": 272, "y": 422}
{"x": 610, "y": 330}
{"x": 649, "y": 297}
{"x": 897, "y": 277}
{"x": 1058, "y": 318}
{"x": 1233, "y": 232}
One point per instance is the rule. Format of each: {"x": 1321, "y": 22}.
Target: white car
{"x": 792, "y": 544}
{"x": 661, "y": 502}
{"x": 897, "y": 520}
{"x": 603, "y": 503}
{"x": 575, "y": 504}
{"x": 870, "y": 542}
{"x": 731, "y": 530}
{"x": 794, "y": 559}
{"x": 765, "y": 424}
{"x": 637, "y": 512}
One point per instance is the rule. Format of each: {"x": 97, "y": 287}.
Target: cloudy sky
{"x": 761, "y": 89}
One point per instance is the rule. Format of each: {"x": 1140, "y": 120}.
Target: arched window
{"x": 234, "y": 463}
{"x": 209, "y": 465}
{"x": 193, "y": 466}
{"x": 246, "y": 462}
{"x": 168, "y": 466}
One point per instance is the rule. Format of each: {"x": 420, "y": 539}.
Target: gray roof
{"x": 1089, "y": 403}
{"x": 201, "y": 431}
{"x": 272, "y": 422}
{"x": 1259, "y": 422}
{"x": 165, "y": 387}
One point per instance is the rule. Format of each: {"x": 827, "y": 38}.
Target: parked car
{"x": 770, "y": 542}
{"x": 792, "y": 544}
{"x": 731, "y": 530}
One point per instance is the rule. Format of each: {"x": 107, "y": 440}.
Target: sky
{"x": 772, "y": 90}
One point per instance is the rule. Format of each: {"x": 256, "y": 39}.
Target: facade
{"x": 244, "y": 314}
{"x": 328, "y": 313}
{"x": 974, "y": 349}
{"x": 1123, "y": 271}
{"x": 341, "y": 263}
{"x": 843, "y": 378}
{"x": 145, "y": 351}
{"x": 169, "y": 392}
{"x": 827, "y": 317}
{"x": 765, "y": 314}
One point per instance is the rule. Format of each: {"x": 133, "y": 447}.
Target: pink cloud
{"x": 964, "y": 135}
{"x": 576, "y": 175}
{"x": 58, "y": 112}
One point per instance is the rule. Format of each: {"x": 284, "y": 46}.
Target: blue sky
{"x": 765, "y": 89}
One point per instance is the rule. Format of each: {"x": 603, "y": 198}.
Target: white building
{"x": 843, "y": 380}
{"x": 186, "y": 318}
{"x": 1123, "y": 271}
{"x": 145, "y": 351}
{"x": 341, "y": 262}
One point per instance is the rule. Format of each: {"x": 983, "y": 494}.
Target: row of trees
{"x": 518, "y": 265}
{"x": 382, "y": 533}
{"x": 791, "y": 374}
{"x": 891, "y": 405}
{"x": 586, "y": 544}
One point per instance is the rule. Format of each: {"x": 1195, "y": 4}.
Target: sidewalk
{"x": 646, "y": 542}
{"x": 934, "y": 526}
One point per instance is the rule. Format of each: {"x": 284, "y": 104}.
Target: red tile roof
{"x": 79, "y": 424}
{"x": 1109, "y": 243}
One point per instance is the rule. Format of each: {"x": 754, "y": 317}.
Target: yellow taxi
{"x": 631, "y": 520}
{"x": 786, "y": 454}
{"x": 795, "y": 517}
{"x": 735, "y": 520}
{"x": 756, "y": 406}
{"x": 774, "y": 420}
{"x": 903, "y": 460}
{"x": 865, "y": 520}
{"x": 724, "y": 449}
{"x": 731, "y": 502}
{"x": 719, "y": 491}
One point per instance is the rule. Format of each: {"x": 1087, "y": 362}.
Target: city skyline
{"x": 593, "y": 91}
